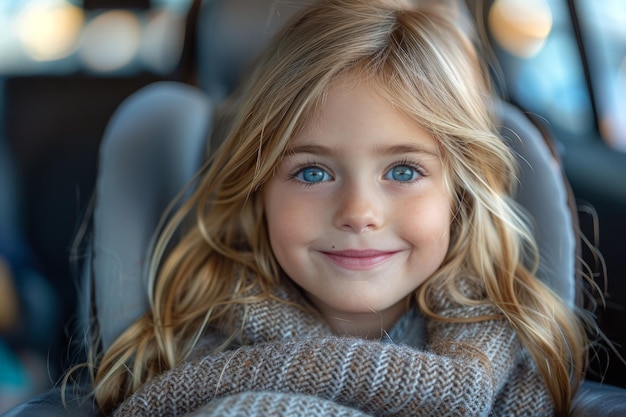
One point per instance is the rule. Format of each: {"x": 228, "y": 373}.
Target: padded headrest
{"x": 543, "y": 193}
{"x": 153, "y": 146}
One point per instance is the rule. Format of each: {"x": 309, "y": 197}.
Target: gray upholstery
{"x": 543, "y": 194}
{"x": 152, "y": 147}
{"x": 596, "y": 400}
{"x": 50, "y": 404}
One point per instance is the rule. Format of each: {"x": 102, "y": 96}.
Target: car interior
{"x": 98, "y": 160}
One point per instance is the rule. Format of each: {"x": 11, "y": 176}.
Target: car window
{"x": 603, "y": 27}
{"x": 542, "y": 68}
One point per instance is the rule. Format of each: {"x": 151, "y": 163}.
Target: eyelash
{"x": 293, "y": 175}
{"x": 417, "y": 167}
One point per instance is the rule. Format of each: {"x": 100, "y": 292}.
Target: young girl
{"x": 352, "y": 247}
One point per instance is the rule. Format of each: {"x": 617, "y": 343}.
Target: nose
{"x": 359, "y": 209}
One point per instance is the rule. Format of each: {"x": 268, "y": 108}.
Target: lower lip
{"x": 354, "y": 263}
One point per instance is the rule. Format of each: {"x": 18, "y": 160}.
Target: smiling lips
{"x": 359, "y": 260}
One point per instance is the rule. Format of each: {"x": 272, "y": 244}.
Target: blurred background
{"x": 65, "y": 65}
{"x": 64, "y": 68}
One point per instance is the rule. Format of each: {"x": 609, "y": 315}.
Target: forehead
{"x": 353, "y": 111}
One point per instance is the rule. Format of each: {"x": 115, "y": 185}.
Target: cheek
{"x": 428, "y": 224}
{"x": 290, "y": 220}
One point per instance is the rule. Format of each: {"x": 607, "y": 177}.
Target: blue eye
{"x": 313, "y": 174}
{"x": 402, "y": 173}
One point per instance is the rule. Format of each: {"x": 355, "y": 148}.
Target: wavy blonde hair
{"x": 426, "y": 66}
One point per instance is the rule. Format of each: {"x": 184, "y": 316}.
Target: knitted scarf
{"x": 290, "y": 364}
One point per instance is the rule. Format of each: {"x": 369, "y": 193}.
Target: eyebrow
{"x": 381, "y": 149}
{"x": 407, "y": 148}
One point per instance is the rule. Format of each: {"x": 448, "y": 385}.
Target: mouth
{"x": 359, "y": 260}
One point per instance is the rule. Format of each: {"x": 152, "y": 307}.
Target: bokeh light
{"x": 110, "y": 41}
{"x": 162, "y": 41}
{"x": 50, "y": 31}
{"x": 520, "y": 26}
{"x": 613, "y": 119}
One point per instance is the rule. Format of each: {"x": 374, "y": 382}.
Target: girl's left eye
{"x": 402, "y": 173}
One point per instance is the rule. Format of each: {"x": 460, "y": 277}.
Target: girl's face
{"x": 358, "y": 212}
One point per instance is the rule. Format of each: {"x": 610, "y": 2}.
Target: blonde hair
{"x": 427, "y": 67}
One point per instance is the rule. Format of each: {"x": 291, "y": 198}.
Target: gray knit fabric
{"x": 275, "y": 404}
{"x": 292, "y": 365}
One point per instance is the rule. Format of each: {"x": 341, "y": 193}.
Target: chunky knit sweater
{"x": 290, "y": 364}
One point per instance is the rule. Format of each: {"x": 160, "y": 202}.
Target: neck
{"x": 370, "y": 325}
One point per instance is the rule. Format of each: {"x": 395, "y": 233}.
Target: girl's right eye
{"x": 312, "y": 175}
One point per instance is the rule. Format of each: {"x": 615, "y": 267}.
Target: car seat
{"x": 157, "y": 139}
